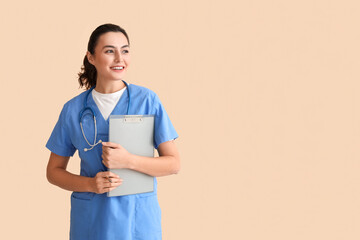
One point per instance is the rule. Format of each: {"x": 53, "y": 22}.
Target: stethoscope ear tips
{"x": 85, "y": 149}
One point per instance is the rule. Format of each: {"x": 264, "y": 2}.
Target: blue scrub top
{"x": 96, "y": 216}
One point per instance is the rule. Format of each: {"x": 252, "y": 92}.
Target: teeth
{"x": 117, "y": 68}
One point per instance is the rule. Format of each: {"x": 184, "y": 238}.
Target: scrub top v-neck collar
{"x": 119, "y": 109}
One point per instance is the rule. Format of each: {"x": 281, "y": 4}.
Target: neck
{"x": 106, "y": 87}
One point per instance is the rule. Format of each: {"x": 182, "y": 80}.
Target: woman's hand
{"x": 105, "y": 182}
{"x": 115, "y": 156}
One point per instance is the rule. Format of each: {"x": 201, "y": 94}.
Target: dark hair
{"x": 88, "y": 74}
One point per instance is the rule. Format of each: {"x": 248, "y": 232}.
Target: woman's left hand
{"x": 115, "y": 156}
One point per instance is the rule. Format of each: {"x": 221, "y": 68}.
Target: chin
{"x": 117, "y": 77}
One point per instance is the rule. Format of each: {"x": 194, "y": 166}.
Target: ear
{"x": 90, "y": 57}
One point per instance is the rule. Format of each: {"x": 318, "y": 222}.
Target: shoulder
{"x": 76, "y": 103}
{"x": 142, "y": 92}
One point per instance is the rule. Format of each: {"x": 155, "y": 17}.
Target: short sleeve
{"x": 60, "y": 141}
{"x": 164, "y": 130}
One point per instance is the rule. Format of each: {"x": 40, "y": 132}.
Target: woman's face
{"x": 111, "y": 57}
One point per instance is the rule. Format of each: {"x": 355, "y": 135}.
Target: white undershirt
{"x": 106, "y": 102}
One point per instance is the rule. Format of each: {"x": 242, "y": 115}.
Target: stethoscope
{"x": 94, "y": 116}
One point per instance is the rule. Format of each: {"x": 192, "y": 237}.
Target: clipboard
{"x": 136, "y": 134}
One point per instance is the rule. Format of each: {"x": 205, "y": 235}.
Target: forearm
{"x": 156, "y": 167}
{"x": 66, "y": 180}
{"x": 168, "y": 162}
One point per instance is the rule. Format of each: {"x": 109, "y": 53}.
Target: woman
{"x": 93, "y": 214}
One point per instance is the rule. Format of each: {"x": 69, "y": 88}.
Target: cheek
{"x": 102, "y": 66}
{"x": 128, "y": 60}
{"x": 103, "y": 60}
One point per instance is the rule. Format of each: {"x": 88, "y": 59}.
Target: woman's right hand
{"x": 105, "y": 182}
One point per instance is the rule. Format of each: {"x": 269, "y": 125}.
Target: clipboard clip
{"x": 133, "y": 119}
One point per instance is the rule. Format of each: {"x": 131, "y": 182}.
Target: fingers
{"x": 105, "y": 163}
{"x": 110, "y": 145}
{"x": 107, "y": 149}
{"x": 106, "y": 181}
{"x": 108, "y": 163}
{"x": 106, "y": 174}
{"x": 111, "y": 174}
{"x": 111, "y": 184}
{"x": 110, "y": 189}
{"x": 105, "y": 157}
{"x": 108, "y": 186}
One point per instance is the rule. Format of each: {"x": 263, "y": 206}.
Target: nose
{"x": 117, "y": 56}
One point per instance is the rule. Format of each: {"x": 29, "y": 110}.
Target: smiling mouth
{"x": 117, "y": 68}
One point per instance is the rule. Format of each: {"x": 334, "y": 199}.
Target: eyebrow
{"x": 111, "y": 46}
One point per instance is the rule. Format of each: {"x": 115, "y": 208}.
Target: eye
{"x": 125, "y": 51}
{"x": 109, "y": 51}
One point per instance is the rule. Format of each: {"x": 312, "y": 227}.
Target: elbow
{"x": 177, "y": 165}
{"x": 175, "y": 170}
{"x": 49, "y": 176}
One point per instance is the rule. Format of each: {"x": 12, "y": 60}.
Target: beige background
{"x": 264, "y": 95}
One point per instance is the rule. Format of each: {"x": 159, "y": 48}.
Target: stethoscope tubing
{"x": 81, "y": 115}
